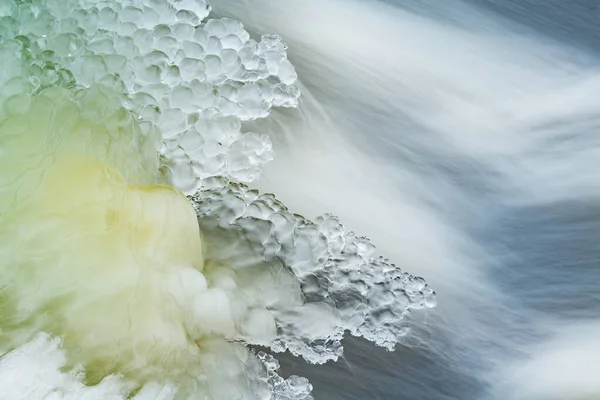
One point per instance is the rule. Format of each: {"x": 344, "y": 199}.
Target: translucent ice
{"x": 344, "y": 285}
{"x": 114, "y": 284}
{"x": 158, "y": 51}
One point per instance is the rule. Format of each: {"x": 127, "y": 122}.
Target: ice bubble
{"x": 341, "y": 277}
{"x": 158, "y": 47}
{"x": 109, "y": 113}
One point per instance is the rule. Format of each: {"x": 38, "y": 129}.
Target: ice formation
{"x": 342, "y": 281}
{"x": 114, "y": 284}
{"x": 181, "y": 76}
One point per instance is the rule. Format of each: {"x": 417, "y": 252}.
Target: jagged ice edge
{"x": 338, "y": 271}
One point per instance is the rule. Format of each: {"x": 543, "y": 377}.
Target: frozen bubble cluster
{"x": 293, "y": 388}
{"x": 160, "y": 91}
{"x": 181, "y": 74}
{"x": 344, "y": 286}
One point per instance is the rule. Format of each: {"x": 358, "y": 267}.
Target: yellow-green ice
{"x": 89, "y": 237}
{"x": 100, "y": 254}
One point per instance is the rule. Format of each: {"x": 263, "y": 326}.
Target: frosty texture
{"x": 293, "y": 388}
{"x": 97, "y": 252}
{"x": 345, "y": 286}
{"x": 22, "y": 379}
{"x": 175, "y": 70}
{"x": 109, "y": 112}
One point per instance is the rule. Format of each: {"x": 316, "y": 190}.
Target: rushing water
{"x": 465, "y": 134}
{"x": 460, "y": 137}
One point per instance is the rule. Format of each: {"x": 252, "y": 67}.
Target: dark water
{"x": 572, "y": 22}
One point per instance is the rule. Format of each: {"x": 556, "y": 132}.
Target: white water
{"x": 443, "y": 124}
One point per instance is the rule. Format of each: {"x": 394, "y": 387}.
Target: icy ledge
{"x": 344, "y": 285}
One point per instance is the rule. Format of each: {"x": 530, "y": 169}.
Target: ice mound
{"x": 98, "y": 253}
{"x": 116, "y": 285}
{"x": 344, "y": 285}
{"x": 175, "y": 70}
